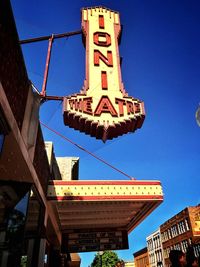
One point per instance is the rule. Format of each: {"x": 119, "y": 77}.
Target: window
{"x": 13, "y": 215}
{"x": 168, "y": 251}
{"x": 174, "y": 231}
{"x": 1, "y": 141}
{"x": 197, "y": 250}
{"x": 155, "y": 242}
{"x": 169, "y": 233}
{"x": 187, "y": 225}
{"x": 165, "y": 253}
{"x": 162, "y": 237}
{"x": 149, "y": 244}
{"x": 182, "y": 227}
{"x": 177, "y": 246}
{"x": 153, "y": 258}
{"x": 165, "y": 236}
{"x": 160, "y": 255}
{"x": 184, "y": 245}
{"x": 158, "y": 241}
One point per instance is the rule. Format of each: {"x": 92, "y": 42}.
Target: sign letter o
{"x": 102, "y": 39}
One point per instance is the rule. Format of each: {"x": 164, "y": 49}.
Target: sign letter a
{"x": 105, "y": 105}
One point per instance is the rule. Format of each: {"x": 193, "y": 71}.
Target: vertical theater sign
{"x": 102, "y": 109}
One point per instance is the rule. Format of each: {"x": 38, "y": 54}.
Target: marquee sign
{"x": 84, "y": 241}
{"x": 102, "y": 109}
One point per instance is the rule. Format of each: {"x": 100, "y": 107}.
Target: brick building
{"x": 141, "y": 258}
{"x": 181, "y": 231}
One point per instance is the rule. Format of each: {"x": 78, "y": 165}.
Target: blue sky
{"x": 161, "y": 66}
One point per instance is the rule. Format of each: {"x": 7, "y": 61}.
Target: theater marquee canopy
{"x": 98, "y": 215}
{"x": 102, "y": 109}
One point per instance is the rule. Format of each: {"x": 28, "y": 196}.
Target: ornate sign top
{"x": 102, "y": 109}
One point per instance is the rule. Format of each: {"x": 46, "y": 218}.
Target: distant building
{"x": 62, "y": 168}
{"x": 181, "y": 231}
{"x": 155, "y": 251}
{"x": 129, "y": 264}
{"x": 141, "y": 258}
{"x": 69, "y": 167}
{"x": 54, "y": 168}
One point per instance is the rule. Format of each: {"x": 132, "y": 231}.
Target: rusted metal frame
{"x": 45, "y": 38}
{"x": 46, "y": 72}
{"x": 51, "y": 97}
{"x": 48, "y": 58}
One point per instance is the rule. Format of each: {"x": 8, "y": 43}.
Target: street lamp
{"x": 197, "y": 115}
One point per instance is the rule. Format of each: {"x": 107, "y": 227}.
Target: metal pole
{"x": 45, "y": 38}
{"x": 50, "y": 97}
{"x": 46, "y": 72}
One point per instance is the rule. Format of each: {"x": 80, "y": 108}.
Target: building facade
{"x": 68, "y": 167}
{"x": 141, "y": 258}
{"x": 181, "y": 231}
{"x": 155, "y": 251}
{"x": 29, "y": 229}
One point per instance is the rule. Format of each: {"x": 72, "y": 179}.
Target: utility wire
{"x": 87, "y": 151}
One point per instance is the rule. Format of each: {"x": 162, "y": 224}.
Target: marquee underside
{"x": 83, "y": 205}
